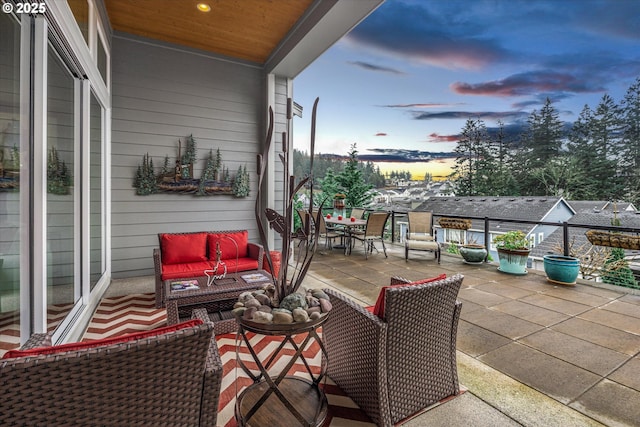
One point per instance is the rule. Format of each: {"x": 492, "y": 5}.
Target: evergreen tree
{"x": 166, "y": 170}
{"x": 329, "y": 185}
{"x": 146, "y": 182}
{"x": 208, "y": 173}
{"x": 630, "y": 147}
{"x": 217, "y": 164}
{"x": 352, "y": 182}
{"x": 541, "y": 143}
{"x": 605, "y": 131}
{"x": 241, "y": 183}
{"x": 473, "y": 161}
{"x": 590, "y": 166}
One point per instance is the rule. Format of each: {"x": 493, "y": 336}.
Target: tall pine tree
{"x": 352, "y": 182}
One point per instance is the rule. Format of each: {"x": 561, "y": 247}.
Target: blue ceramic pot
{"x": 513, "y": 261}
{"x": 561, "y": 269}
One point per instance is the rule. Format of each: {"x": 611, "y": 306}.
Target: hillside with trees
{"x": 595, "y": 158}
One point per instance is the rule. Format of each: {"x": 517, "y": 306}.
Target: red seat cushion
{"x": 184, "y": 270}
{"x": 244, "y": 264}
{"x": 178, "y": 248}
{"x": 276, "y": 259}
{"x": 99, "y": 343}
{"x": 378, "y": 309}
{"x": 227, "y": 245}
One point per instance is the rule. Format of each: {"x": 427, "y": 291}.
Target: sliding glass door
{"x": 12, "y": 219}
{"x": 63, "y": 190}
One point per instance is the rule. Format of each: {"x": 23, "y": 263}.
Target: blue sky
{"x": 404, "y": 81}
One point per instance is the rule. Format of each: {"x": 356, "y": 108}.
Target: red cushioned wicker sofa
{"x": 169, "y": 376}
{"x": 185, "y": 255}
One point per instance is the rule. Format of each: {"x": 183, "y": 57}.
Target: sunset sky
{"x": 402, "y": 84}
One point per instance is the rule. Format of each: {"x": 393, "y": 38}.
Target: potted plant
{"x": 513, "y": 251}
{"x": 561, "y": 269}
{"x": 473, "y": 252}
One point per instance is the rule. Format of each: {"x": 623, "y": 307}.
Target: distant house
{"x": 590, "y": 213}
{"x": 539, "y": 209}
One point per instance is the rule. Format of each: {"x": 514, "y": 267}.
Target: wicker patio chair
{"x": 171, "y": 379}
{"x": 374, "y": 231}
{"x": 393, "y": 368}
{"x": 421, "y": 236}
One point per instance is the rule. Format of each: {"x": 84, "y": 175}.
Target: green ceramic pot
{"x": 473, "y": 254}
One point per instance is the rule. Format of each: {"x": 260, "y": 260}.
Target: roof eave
{"x": 326, "y": 22}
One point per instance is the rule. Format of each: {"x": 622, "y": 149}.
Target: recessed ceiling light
{"x": 203, "y": 7}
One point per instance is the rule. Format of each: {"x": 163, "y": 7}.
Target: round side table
{"x": 281, "y": 399}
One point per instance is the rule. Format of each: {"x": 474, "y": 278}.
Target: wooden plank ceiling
{"x": 243, "y": 29}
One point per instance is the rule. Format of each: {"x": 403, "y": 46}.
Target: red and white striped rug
{"x": 10, "y": 327}
{"x": 131, "y": 313}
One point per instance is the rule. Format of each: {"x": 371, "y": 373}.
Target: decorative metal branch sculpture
{"x": 287, "y": 281}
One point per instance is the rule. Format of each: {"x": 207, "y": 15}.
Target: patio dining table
{"x": 349, "y": 225}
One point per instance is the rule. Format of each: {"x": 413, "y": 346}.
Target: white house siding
{"x": 160, "y": 95}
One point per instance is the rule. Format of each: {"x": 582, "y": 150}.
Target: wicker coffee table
{"x": 217, "y": 299}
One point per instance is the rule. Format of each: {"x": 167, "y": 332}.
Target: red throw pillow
{"x": 227, "y": 245}
{"x": 99, "y": 343}
{"x": 378, "y": 309}
{"x": 180, "y": 248}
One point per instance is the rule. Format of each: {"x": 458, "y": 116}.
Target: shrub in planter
{"x": 513, "y": 251}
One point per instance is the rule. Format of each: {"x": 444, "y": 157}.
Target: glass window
{"x": 97, "y": 264}
{"x": 80, "y": 9}
{"x": 102, "y": 60}
{"x": 62, "y": 284}
{"x": 455, "y": 236}
{"x": 11, "y": 219}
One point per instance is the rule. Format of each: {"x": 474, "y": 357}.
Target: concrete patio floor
{"x": 529, "y": 352}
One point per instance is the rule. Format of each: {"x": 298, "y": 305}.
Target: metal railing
{"x": 396, "y": 215}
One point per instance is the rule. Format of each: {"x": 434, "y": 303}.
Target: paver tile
{"x": 474, "y": 340}
{"x": 571, "y": 294}
{"x": 486, "y": 299}
{"x": 593, "y": 289}
{"x": 501, "y": 323}
{"x": 505, "y": 290}
{"x": 468, "y": 307}
{"x": 622, "y": 307}
{"x": 628, "y": 374}
{"x": 531, "y": 313}
{"x": 556, "y": 304}
{"x": 554, "y": 377}
{"x": 631, "y": 299}
{"x": 602, "y": 335}
{"x": 610, "y": 403}
{"x": 614, "y": 320}
{"x": 592, "y": 357}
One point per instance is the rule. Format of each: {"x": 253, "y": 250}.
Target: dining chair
{"x": 374, "y": 231}
{"x": 357, "y": 213}
{"x": 329, "y": 233}
{"x": 421, "y": 236}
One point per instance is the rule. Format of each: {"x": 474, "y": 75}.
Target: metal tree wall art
{"x": 288, "y": 281}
